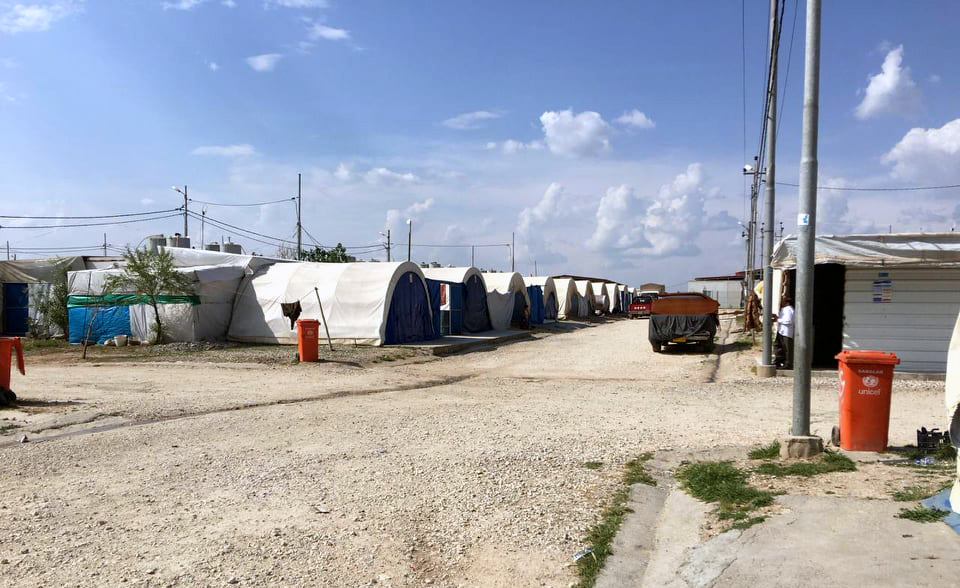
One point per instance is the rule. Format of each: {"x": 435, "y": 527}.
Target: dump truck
{"x": 683, "y": 318}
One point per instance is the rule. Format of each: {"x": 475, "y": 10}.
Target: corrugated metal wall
{"x": 908, "y": 311}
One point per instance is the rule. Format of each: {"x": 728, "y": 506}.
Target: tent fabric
{"x": 601, "y": 296}
{"x": 896, "y": 249}
{"x": 476, "y": 316}
{"x": 358, "y": 302}
{"x": 549, "y": 290}
{"x": 37, "y": 271}
{"x": 613, "y": 297}
{"x": 204, "y": 316}
{"x": 535, "y": 293}
{"x": 568, "y": 305}
{"x": 585, "y": 291}
{"x": 197, "y": 257}
{"x": 501, "y": 300}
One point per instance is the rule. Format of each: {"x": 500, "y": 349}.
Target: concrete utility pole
{"x": 185, "y": 234}
{"x": 513, "y": 247}
{"x": 769, "y": 201}
{"x": 473, "y": 250}
{"x": 802, "y": 443}
{"x": 299, "y": 224}
{"x": 409, "y": 236}
{"x": 388, "y": 244}
{"x": 104, "y": 244}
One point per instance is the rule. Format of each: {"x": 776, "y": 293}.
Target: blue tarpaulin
{"x": 108, "y": 322}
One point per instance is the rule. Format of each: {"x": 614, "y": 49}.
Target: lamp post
{"x": 184, "y": 192}
{"x": 409, "y": 236}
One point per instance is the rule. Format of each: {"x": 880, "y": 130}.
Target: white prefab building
{"x": 727, "y": 290}
{"x": 896, "y": 292}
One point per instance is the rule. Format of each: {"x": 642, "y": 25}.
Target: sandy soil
{"x": 462, "y": 471}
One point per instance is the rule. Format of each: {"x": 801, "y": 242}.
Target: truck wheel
{"x": 656, "y": 347}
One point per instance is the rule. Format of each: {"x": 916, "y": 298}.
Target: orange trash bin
{"x": 308, "y": 337}
{"x": 866, "y": 380}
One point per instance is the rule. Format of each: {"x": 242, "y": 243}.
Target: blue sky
{"x": 609, "y": 137}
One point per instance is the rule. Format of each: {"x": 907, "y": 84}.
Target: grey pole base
{"x": 800, "y": 446}
{"x": 766, "y": 371}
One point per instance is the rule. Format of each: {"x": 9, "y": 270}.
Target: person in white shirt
{"x": 785, "y": 334}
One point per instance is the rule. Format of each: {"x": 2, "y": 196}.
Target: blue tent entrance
{"x": 409, "y": 318}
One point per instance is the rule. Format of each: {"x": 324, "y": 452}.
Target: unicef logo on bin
{"x": 871, "y": 381}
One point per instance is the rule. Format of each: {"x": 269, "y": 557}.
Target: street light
{"x": 184, "y": 192}
{"x": 409, "y": 236}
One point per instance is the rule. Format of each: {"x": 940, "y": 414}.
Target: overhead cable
{"x": 239, "y": 204}
{"x": 91, "y": 217}
{"x": 906, "y": 189}
{"x": 139, "y": 220}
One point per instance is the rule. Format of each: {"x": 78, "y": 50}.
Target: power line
{"x": 222, "y": 224}
{"x": 238, "y": 204}
{"x": 907, "y": 189}
{"x": 90, "y": 217}
{"x": 786, "y": 77}
{"x": 139, "y": 220}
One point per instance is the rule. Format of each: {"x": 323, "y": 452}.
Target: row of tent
{"x": 255, "y": 299}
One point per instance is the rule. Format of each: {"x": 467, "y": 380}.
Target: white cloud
{"x": 242, "y": 150}
{"x": 636, "y": 119}
{"x": 934, "y": 79}
{"x": 397, "y": 218}
{"x": 470, "y": 120}
{"x": 510, "y": 146}
{"x": 890, "y": 92}
{"x": 147, "y": 201}
{"x": 8, "y": 63}
{"x": 668, "y": 225}
{"x": 319, "y": 31}
{"x": 182, "y": 4}
{"x": 575, "y": 135}
{"x": 379, "y": 176}
{"x": 533, "y": 242}
{"x": 229, "y": 3}
{"x": 343, "y": 172}
{"x": 265, "y": 62}
{"x": 35, "y": 16}
{"x": 927, "y": 155}
{"x": 213, "y": 66}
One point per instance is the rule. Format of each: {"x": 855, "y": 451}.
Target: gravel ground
{"x": 465, "y": 471}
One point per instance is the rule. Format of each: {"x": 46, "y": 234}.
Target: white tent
{"x": 568, "y": 301}
{"x": 370, "y": 303}
{"x": 506, "y": 297}
{"x": 587, "y": 299}
{"x": 550, "y": 297}
{"x": 602, "y": 295}
{"x": 475, "y": 317}
{"x": 205, "y": 316}
{"x": 613, "y": 297}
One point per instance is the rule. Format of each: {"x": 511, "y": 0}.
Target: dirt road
{"x": 465, "y": 471}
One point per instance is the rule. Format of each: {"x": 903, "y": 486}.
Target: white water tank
{"x": 177, "y": 240}
{"x": 155, "y": 243}
{"x": 212, "y": 247}
{"x": 230, "y": 247}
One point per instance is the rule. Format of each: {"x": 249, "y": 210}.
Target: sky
{"x": 606, "y": 139}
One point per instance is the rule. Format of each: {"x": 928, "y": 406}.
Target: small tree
{"x": 337, "y": 254}
{"x": 51, "y": 309}
{"x": 150, "y": 275}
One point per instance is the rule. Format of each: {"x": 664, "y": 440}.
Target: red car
{"x": 641, "y": 306}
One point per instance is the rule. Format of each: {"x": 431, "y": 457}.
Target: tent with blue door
{"x": 546, "y": 308}
{"x": 24, "y": 282}
{"x": 507, "y": 299}
{"x": 465, "y": 308}
{"x": 368, "y": 303}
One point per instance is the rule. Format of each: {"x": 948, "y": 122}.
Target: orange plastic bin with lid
{"x": 308, "y": 337}
{"x": 866, "y": 380}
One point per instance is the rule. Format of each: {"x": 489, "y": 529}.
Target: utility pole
{"x": 184, "y": 210}
{"x": 513, "y": 247}
{"x": 472, "y": 252}
{"x": 535, "y": 271}
{"x": 299, "y": 225}
{"x": 104, "y": 244}
{"x": 388, "y": 244}
{"x": 409, "y": 236}
{"x": 806, "y": 232}
{"x": 8, "y": 250}
{"x": 766, "y": 364}
{"x": 203, "y": 223}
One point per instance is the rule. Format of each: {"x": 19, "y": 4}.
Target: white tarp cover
{"x": 501, "y": 291}
{"x": 600, "y": 289}
{"x": 899, "y": 249}
{"x": 549, "y": 286}
{"x": 37, "y": 271}
{"x": 454, "y": 275}
{"x": 355, "y": 300}
{"x": 198, "y": 257}
{"x": 613, "y": 296}
{"x": 566, "y": 298}
{"x": 216, "y": 286}
{"x": 585, "y": 290}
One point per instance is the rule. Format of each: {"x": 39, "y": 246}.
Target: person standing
{"x": 785, "y": 334}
